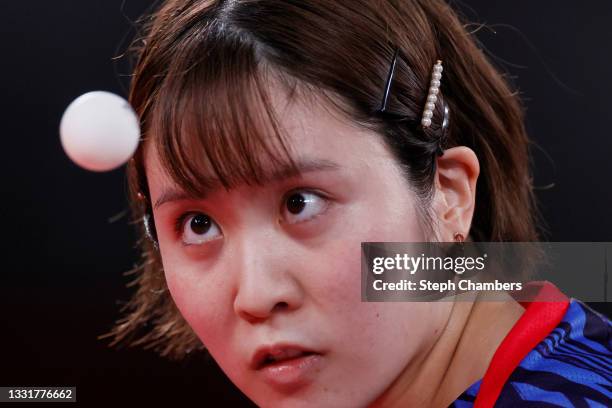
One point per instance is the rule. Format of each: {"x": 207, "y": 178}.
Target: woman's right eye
{"x": 197, "y": 228}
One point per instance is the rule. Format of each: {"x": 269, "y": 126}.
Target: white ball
{"x": 99, "y": 131}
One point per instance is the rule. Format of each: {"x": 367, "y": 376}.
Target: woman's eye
{"x": 302, "y": 206}
{"x": 198, "y": 228}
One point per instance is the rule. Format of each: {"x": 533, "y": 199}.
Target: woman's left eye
{"x": 302, "y": 206}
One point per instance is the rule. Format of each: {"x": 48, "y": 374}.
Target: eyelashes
{"x": 303, "y": 205}
{"x": 195, "y": 228}
{"x": 297, "y": 206}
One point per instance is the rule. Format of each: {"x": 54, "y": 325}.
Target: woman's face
{"x": 269, "y": 276}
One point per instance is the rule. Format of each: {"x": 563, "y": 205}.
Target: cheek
{"x": 336, "y": 285}
{"x": 375, "y": 341}
{"x": 199, "y": 296}
{"x": 385, "y": 335}
{"x": 339, "y": 260}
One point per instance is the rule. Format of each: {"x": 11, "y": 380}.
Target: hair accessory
{"x": 432, "y": 96}
{"x": 439, "y": 149}
{"x": 146, "y": 220}
{"x": 383, "y": 105}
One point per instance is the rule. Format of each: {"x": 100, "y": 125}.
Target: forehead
{"x": 313, "y": 130}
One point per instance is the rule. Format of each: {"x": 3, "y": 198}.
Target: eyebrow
{"x": 284, "y": 172}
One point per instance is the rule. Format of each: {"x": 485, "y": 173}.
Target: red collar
{"x": 538, "y": 320}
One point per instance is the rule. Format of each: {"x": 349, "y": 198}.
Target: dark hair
{"x": 199, "y": 87}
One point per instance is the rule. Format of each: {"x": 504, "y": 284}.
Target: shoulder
{"x": 572, "y": 366}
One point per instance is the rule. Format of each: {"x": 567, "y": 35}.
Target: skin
{"x": 266, "y": 275}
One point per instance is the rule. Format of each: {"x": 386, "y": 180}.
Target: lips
{"x": 288, "y": 367}
{"x": 270, "y": 355}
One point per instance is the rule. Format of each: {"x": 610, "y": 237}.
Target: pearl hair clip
{"x": 432, "y": 96}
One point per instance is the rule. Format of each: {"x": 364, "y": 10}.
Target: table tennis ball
{"x": 99, "y": 131}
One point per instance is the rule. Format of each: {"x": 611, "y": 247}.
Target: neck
{"x": 457, "y": 358}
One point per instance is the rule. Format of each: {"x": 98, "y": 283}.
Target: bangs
{"x": 213, "y": 122}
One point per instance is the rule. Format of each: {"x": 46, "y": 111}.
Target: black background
{"x": 62, "y": 282}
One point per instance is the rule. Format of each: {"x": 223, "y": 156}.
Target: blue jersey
{"x": 571, "y": 366}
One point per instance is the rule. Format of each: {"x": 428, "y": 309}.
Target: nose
{"x": 267, "y": 280}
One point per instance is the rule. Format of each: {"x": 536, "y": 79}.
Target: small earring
{"x": 458, "y": 237}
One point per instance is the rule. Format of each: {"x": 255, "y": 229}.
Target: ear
{"x": 455, "y": 197}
